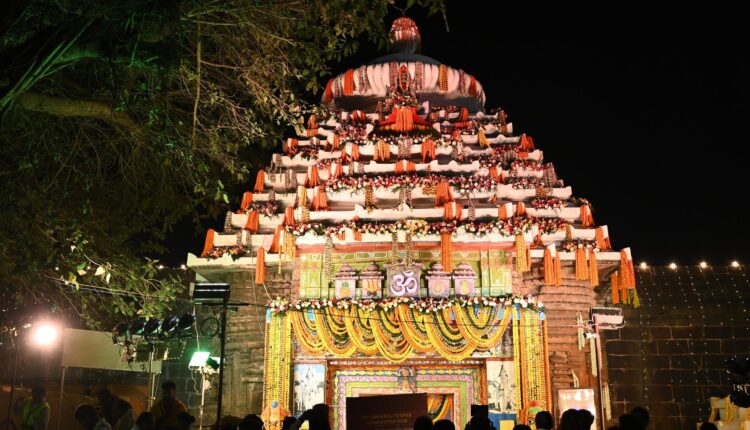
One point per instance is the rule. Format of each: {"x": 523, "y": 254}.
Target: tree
{"x": 121, "y": 118}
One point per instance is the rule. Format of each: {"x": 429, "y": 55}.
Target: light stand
{"x": 8, "y": 423}
{"x": 151, "y": 377}
{"x": 221, "y": 362}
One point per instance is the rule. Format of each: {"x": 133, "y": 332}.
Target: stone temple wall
{"x": 563, "y": 303}
{"x": 670, "y": 355}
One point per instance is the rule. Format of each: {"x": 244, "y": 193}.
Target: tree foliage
{"x": 121, "y": 118}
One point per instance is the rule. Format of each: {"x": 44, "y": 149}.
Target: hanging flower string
{"x": 547, "y": 203}
{"x": 464, "y": 184}
{"x": 418, "y": 228}
{"x": 424, "y": 305}
{"x": 268, "y": 208}
{"x": 573, "y": 245}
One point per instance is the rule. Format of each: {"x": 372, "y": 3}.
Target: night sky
{"x": 642, "y": 108}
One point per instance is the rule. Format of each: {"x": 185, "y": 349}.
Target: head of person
{"x": 423, "y": 423}
{"x": 443, "y": 425}
{"x": 121, "y": 407}
{"x": 86, "y": 415}
{"x": 568, "y": 420}
{"x": 38, "y": 394}
{"x": 251, "y": 422}
{"x": 185, "y": 420}
{"x": 630, "y": 422}
{"x": 641, "y": 414}
{"x": 521, "y": 427}
{"x": 104, "y": 395}
{"x": 584, "y": 419}
{"x": 288, "y": 421}
{"x": 319, "y": 418}
{"x": 169, "y": 390}
{"x": 146, "y": 421}
{"x": 479, "y": 422}
{"x": 544, "y": 420}
{"x": 708, "y": 426}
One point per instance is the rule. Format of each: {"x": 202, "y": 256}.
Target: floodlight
{"x": 45, "y": 334}
{"x": 151, "y": 326}
{"x": 213, "y": 363}
{"x": 199, "y": 359}
{"x": 136, "y": 327}
{"x": 211, "y": 294}
{"x": 169, "y": 325}
{"x": 186, "y": 321}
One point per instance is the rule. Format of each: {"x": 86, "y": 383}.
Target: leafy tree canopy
{"x": 120, "y": 118}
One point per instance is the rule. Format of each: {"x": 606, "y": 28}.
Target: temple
{"x": 410, "y": 241}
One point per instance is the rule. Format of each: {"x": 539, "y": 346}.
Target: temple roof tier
{"x": 400, "y": 212}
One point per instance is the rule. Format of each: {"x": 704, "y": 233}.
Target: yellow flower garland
{"x": 398, "y": 331}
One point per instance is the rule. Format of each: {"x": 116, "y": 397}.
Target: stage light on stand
{"x": 198, "y": 359}
{"x": 151, "y": 326}
{"x": 169, "y": 325}
{"x": 136, "y": 327}
{"x": 186, "y": 322}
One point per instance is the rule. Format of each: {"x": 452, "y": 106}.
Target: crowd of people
{"x": 116, "y": 413}
{"x": 111, "y": 413}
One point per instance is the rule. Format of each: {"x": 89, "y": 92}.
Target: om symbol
{"x": 404, "y": 283}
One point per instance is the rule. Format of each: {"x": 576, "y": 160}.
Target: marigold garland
{"x": 396, "y": 328}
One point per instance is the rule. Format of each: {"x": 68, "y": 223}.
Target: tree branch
{"x": 38, "y": 102}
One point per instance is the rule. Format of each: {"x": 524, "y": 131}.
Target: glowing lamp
{"x": 672, "y": 266}
{"x": 198, "y": 359}
{"x": 45, "y": 334}
{"x": 703, "y": 264}
{"x": 644, "y": 265}
{"x": 735, "y": 263}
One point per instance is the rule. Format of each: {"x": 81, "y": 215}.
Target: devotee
{"x": 630, "y": 422}
{"x": 568, "y": 420}
{"x": 287, "y": 424}
{"x": 443, "y": 425}
{"x": 423, "y": 423}
{"x": 166, "y": 410}
{"x": 480, "y": 422}
{"x": 89, "y": 418}
{"x": 317, "y": 416}
{"x": 107, "y": 404}
{"x": 34, "y": 410}
{"x": 543, "y": 421}
{"x": 185, "y": 421}
{"x": 252, "y": 422}
{"x": 642, "y": 415}
{"x": 145, "y": 421}
{"x": 123, "y": 415}
{"x": 584, "y": 419}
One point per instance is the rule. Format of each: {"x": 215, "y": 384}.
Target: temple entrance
{"x": 318, "y": 356}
